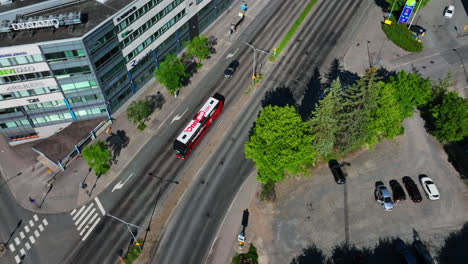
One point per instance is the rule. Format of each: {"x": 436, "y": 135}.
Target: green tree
{"x": 198, "y": 47}
{"x": 385, "y": 117}
{"x": 325, "y": 122}
{"x": 412, "y": 91}
{"x": 171, "y": 73}
{"x": 97, "y": 157}
{"x": 138, "y": 111}
{"x": 450, "y": 118}
{"x": 280, "y": 143}
{"x": 399, "y": 4}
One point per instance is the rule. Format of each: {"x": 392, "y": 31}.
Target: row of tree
{"x": 360, "y": 115}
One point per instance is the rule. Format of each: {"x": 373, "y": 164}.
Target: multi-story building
{"x": 68, "y": 60}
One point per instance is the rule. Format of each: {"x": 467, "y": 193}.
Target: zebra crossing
{"x": 27, "y": 237}
{"x": 87, "y": 217}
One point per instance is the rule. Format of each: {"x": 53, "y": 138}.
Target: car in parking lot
{"x": 429, "y": 187}
{"x": 337, "y": 172}
{"x": 397, "y": 190}
{"x": 231, "y": 69}
{"x": 403, "y": 249}
{"x": 418, "y": 29}
{"x": 412, "y": 189}
{"x": 448, "y": 11}
{"x": 382, "y": 196}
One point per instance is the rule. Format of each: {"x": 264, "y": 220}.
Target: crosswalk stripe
{"x": 31, "y": 223}
{"x": 36, "y": 233}
{"x": 23, "y": 252}
{"x": 88, "y": 225}
{"x": 79, "y": 212}
{"x": 91, "y": 229}
{"x": 28, "y": 247}
{"x": 12, "y": 247}
{"x": 41, "y": 227}
{"x": 22, "y": 235}
{"x": 84, "y": 213}
{"x": 31, "y": 238}
{"x": 17, "y": 241}
{"x": 18, "y": 260}
{"x": 73, "y": 212}
{"x": 100, "y": 206}
{"x": 44, "y": 221}
{"x": 86, "y": 219}
{"x": 26, "y": 228}
{"x": 36, "y": 218}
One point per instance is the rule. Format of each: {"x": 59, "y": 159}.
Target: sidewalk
{"x": 65, "y": 193}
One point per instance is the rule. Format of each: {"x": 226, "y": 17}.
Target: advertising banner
{"x": 31, "y": 100}
{"x": 19, "y": 51}
{"x": 16, "y": 87}
{"x": 23, "y": 69}
{"x": 405, "y": 14}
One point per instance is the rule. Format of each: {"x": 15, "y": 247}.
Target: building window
{"x": 9, "y": 110}
{"x": 53, "y": 117}
{"x": 69, "y": 72}
{"x": 107, "y": 57}
{"x": 18, "y": 123}
{"x": 142, "y": 10}
{"x": 112, "y": 71}
{"x": 24, "y": 77}
{"x": 51, "y": 104}
{"x": 78, "y": 86}
{"x": 199, "y": 1}
{"x": 65, "y": 55}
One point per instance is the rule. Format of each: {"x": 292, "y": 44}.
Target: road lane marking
{"x": 44, "y": 221}
{"x": 26, "y": 228}
{"x": 100, "y": 206}
{"x": 31, "y": 223}
{"x": 177, "y": 117}
{"x": 22, "y": 235}
{"x": 12, "y": 247}
{"x": 41, "y": 227}
{"x": 72, "y": 212}
{"x": 119, "y": 185}
{"x": 86, "y": 219}
{"x": 17, "y": 241}
{"x": 28, "y": 247}
{"x": 31, "y": 238}
{"x": 91, "y": 229}
{"x": 79, "y": 212}
{"x": 36, "y": 233}
{"x": 84, "y": 213}
{"x": 88, "y": 225}
{"x": 36, "y": 218}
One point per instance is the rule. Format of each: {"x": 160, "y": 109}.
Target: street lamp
{"x": 255, "y": 59}
{"x": 127, "y": 225}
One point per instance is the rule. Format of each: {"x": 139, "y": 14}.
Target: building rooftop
{"x": 92, "y": 12}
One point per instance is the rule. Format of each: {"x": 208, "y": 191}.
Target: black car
{"x": 231, "y": 69}
{"x": 336, "y": 171}
{"x": 397, "y": 190}
{"x": 418, "y": 29}
{"x": 412, "y": 189}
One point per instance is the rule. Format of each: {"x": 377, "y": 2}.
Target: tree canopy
{"x": 411, "y": 91}
{"x": 450, "y": 118}
{"x": 97, "y": 157}
{"x": 198, "y": 47}
{"x": 138, "y": 111}
{"x": 280, "y": 143}
{"x": 399, "y": 4}
{"x": 171, "y": 73}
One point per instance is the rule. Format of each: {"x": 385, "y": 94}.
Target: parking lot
{"x": 317, "y": 211}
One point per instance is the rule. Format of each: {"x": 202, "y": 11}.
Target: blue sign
{"x": 405, "y": 14}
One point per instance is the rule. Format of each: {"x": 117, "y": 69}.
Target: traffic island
{"x": 401, "y": 35}
{"x": 251, "y": 257}
{"x": 132, "y": 254}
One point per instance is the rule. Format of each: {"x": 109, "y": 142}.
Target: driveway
{"x": 314, "y": 211}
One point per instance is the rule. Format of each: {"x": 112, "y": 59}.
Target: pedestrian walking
{"x": 31, "y": 199}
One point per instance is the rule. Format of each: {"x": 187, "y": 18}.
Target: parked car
{"x": 231, "y": 69}
{"x": 429, "y": 187}
{"x": 397, "y": 190}
{"x": 418, "y": 29}
{"x": 412, "y": 189}
{"x": 449, "y": 10}
{"x": 422, "y": 250}
{"x": 403, "y": 249}
{"x": 336, "y": 171}
{"x": 382, "y": 196}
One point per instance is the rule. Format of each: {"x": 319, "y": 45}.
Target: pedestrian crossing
{"x": 27, "y": 237}
{"x": 87, "y": 217}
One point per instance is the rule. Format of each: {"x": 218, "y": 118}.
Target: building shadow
{"x": 115, "y": 143}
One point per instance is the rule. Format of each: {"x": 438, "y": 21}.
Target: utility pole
{"x": 127, "y": 225}
{"x": 417, "y": 9}
{"x": 393, "y": 5}
{"x": 255, "y": 59}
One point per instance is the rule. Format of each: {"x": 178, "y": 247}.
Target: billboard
{"x": 405, "y": 14}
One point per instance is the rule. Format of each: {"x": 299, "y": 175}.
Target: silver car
{"x": 382, "y": 196}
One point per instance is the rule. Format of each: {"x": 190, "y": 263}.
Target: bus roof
{"x": 198, "y": 120}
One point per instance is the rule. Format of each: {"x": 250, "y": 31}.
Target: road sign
{"x": 388, "y": 22}
{"x": 405, "y": 14}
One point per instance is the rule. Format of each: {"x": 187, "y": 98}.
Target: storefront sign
{"x": 19, "y": 51}
{"x": 36, "y": 67}
{"x": 36, "y": 24}
{"x": 31, "y": 100}
{"x": 15, "y": 87}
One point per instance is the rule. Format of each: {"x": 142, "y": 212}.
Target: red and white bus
{"x": 197, "y": 127}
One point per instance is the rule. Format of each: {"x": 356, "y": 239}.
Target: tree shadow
{"x": 190, "y": 67}
{"x": 385, "y": 74}
{"x": 281, "y": 97}
{"x": 383, "y": 4}
{"x": 344, "y": 254}
{"x": 157, "y": 100}
{"x": 312, "y": 95}
{"x": 384, "y": 252}
{"x": 212, "y": 41}
{"x": 454, "y": 248}
{"x": 115, "y": 143}
{"x": 335, "y": 71}
{"x": 311, "y": 254}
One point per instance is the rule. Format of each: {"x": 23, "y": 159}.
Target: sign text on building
{"x": 36, "y": 24}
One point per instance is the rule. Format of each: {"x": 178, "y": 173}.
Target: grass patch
{"x": 465, "y": 181}
{"x": 401, "y": 36}
{"x": 250, "y": 257}
{"x": 293, "y": 29}
{"x": 132, "y": 253}
{"x": 268, "y": 192}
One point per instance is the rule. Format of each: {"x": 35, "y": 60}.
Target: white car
{"x": 448, "y": 12}
{"x": 429, "y": 187}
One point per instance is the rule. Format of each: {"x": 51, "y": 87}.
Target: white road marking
{"x": 91, "y": 229}
{"x": 18, "y": 260}
{"x": 22, "y": 235}
{"x": 12, "y": 247}
{"x": 26, "y": 228}
{"x": 119, "y": 185}
{"x": 17, "y": 241}
{"x": 100, "y": 206}
{"x": 36, "y": 233}
{"x": 31, "y": 223}
{"x": 177, "y": 117}
{"x": 36, "y": 218}
{"x": 44, "y": 221}
{"x": 86, "y": 219}
{"x": 22, "y": 251}
{"x": 88, "y": 225}
{"x": 31, "y": 238}
{"x": 79, "y": 212}
{"x": 231, "y": 54}
{"x": 84, "y": 213}
{"x": 74, "y": 210}
{"x": 28, "y": 247}
{"x": 41, "y": 227}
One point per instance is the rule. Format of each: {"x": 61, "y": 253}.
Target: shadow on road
{"x": 280, "y": 96}
{"x": 454, "y": 249}
{"x": 312, "y": 95}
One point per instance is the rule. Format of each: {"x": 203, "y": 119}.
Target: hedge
{"x": 401, "y": 36}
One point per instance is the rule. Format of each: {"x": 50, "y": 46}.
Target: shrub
{"x": 402, "y": 36}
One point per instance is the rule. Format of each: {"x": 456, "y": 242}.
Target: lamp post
{"x": 255, "y": 59}
{"x": 127, "y": 225}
